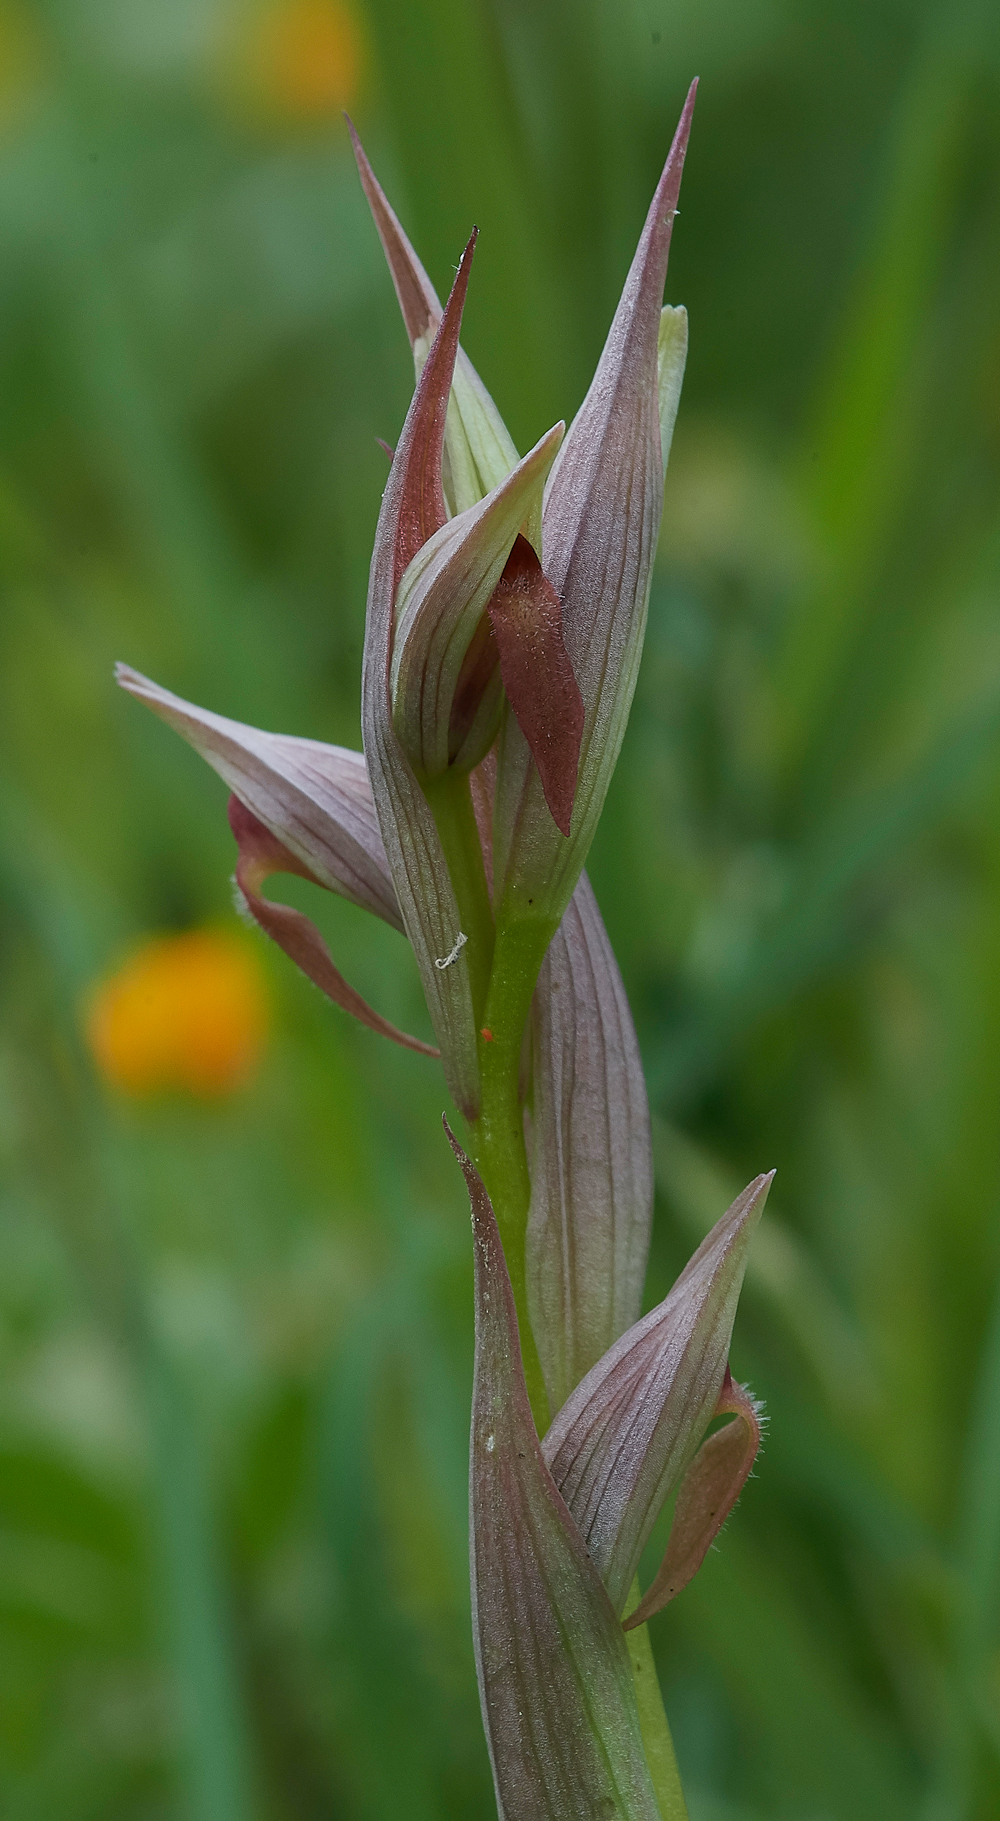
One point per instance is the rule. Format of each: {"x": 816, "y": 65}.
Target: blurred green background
{"x": 235, "y": 1331}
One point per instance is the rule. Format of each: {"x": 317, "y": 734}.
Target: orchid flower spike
{"x": 505, "y": 617}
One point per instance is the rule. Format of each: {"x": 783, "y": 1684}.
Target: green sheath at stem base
{"x": 656, "y": 1740}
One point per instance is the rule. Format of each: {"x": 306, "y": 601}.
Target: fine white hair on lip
{"x": 443, "y": 961}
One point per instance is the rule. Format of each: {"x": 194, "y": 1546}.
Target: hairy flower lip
{"x": 705, "y": 1497}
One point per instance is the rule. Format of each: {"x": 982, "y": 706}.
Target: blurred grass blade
{"x": 865, "y": 439}
{"x": 820, "y": 924}
{"x": 382, "y": 1691}
{"x": 973, "y": 1716}
{"x": 215, "y": 1756}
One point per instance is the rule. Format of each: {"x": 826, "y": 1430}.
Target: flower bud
{"x": 622, "y": 1441}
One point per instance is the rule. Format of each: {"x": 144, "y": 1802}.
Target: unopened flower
{"x": 504, "y": 612}
{"x": 440, "y": 594}
{"x": 621, "y": 1443}
{"x": 506, "y": 609}
{"x": 597, "y": 540}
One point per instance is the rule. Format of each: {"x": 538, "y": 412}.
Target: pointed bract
{"x": 260, "y": 855}
{"x": 412, "y": 510}
{"x": 591, "y": 1161}
{"x": 418, "y": 299}
{"x": 315, "y": 799}
{"x": 478, "y": 450}
{"x": 555, "y": 1679}
{"x": 707, "y": 1494}
{"x": 600, "y": 524}
{"x": 419, "y": 508}
{"x": 621, "y": 1442}
{"x": 439, "y": 608}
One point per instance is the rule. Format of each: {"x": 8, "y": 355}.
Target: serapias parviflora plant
{"x": 506, "y": 612}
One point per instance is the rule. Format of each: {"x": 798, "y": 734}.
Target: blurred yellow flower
{"x": 299, "y": 59}
{"x": 186, "y": 1012}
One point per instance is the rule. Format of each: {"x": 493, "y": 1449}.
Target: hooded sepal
{"x": 315, "y": 799}
{"x": 478, "y": 451}
{"x": 600, "y": 524}
{"x": 707, "y": 1494}
{"x": 260, "y": 855}
{"x": 590, "y": 1152}
{"x": 623, "y": 1439}
{"x": 412, "y": 510}
{"x": 555, "y": 1680}
{"x": 444, "y": 678}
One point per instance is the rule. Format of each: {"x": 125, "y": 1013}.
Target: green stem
{"x": 503, "y": 969}
{"x": 497, "y": 1137}
{"x": 656, "y": 1740}
{"x": 450, "y": 800}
